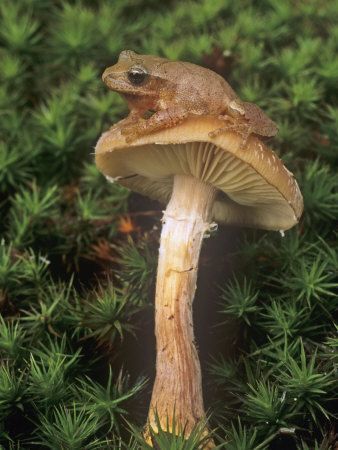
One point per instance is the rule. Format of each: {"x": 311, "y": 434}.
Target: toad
{"x": 161, "y": 93}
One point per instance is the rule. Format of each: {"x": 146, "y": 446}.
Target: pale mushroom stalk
{"x": 177, "y": 390}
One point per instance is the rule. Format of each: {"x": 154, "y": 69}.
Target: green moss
{"x": 65, "y": 328}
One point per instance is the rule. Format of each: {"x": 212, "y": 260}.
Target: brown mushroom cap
{"x": 255, "y": 189}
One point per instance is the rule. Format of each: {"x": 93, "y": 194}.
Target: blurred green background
{"x": 78, "y": 255}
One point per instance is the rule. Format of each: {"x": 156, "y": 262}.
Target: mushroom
{"x": 203, "y": 177}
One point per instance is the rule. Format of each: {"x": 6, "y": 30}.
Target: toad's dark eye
{"x": 137, "y": 76}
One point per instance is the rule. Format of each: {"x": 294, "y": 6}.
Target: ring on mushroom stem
{"x": 204, "y": 179}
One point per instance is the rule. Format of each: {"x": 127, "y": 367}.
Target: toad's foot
{"x": 132, "y": 131}
{"x": 126, "y": 123}
{"x": 161, "y": 119}
{"x": 232, "y": 124}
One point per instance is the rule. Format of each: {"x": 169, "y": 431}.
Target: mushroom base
{"x": 177, "y": 393}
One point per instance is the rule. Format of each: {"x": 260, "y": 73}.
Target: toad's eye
{"x": 137, "y": 76}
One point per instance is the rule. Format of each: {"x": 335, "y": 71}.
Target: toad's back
{"x": 197, "y": 85}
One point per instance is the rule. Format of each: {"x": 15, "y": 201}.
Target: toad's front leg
{"x": 165, "y": 118}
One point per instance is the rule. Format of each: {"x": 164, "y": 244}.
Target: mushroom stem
{"x": 177, "y": 393}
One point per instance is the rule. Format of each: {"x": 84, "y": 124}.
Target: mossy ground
{"x": 78, "y": 256}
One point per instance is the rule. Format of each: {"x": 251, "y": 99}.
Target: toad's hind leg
{"x": 165, "y": 118}
{"x": 231, "y": 124}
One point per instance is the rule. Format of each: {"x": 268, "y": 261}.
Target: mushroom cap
{"x": 254, "y": 188}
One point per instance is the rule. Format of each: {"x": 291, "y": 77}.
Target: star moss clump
{"x": 77, "y": 253}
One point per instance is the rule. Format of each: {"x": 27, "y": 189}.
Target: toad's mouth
{"x": 125, "y": 89}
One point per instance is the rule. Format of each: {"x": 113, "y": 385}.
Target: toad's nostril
{"x": 106, "y": 76}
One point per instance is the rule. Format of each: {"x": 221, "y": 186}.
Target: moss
{"x": 61, "y": 232}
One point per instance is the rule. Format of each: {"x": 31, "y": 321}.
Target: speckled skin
{"x": 173, "y": 90}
